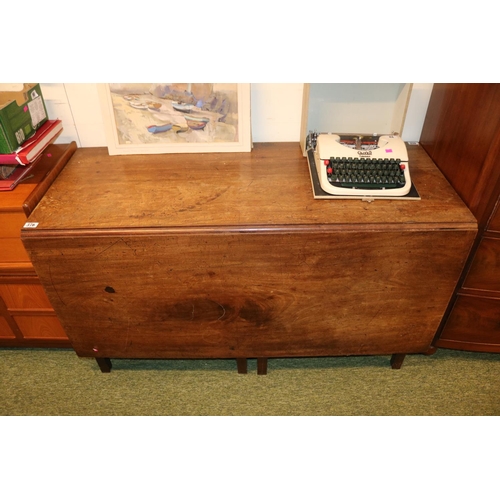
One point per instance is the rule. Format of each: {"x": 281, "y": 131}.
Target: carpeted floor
{"x": 57, "y": 382}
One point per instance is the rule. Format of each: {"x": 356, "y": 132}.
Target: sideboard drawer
{"x": 484, "y": 273}
{"x": 40, "y": 327}
{"x": 12, "y": 250}
{"x": 473, "y": 319}
{"x": 11, "y": 224}
{"x": 27, "y": 318}
{"x": 494, "y": 224}
{"x": 5, "y": 330}
{"x": 20, "y": 296}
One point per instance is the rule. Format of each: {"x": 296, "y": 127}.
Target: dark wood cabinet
{"x": 461, "y": 133}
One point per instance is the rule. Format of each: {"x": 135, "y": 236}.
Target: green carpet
{"x": 57, "y": 382}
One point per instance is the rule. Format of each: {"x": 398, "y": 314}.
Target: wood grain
{"x": 11, "y": 224}
{"x": 230, "y": 256}
{"x": 474, "y": 325}
{"x": 5, "y": 330}
{"x": 55, "y": 160}
{"x": 461, "y": 133}
{"x": 267, "y": 188}
{"x": 494, "y": 223}
{"x": 26, "y": 316}
{"x": 484, "y": 273}
{"x": 253, "y": 294}
{"x": 24, "y": 296}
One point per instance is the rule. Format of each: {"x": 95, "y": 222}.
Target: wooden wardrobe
{"x": 461, "y": 134}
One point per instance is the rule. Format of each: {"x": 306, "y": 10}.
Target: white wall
{"x": 417, "y": 109}
{"x": 276, "y": 112}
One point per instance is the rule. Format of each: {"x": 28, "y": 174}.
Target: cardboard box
{"x": 22, "y": 112}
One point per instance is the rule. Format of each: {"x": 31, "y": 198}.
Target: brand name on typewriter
{"x": 364, "y": 153}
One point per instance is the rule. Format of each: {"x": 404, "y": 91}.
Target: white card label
{"x": 37, "y": 110}
{"x": 31, "y": 224}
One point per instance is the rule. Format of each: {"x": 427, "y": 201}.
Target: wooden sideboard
{"x": 27, "y": 318}
{"x": 228, "y": 255}
{"x": 461, "y": 133}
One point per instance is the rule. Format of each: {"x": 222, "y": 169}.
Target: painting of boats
{"x": 154, "y": 106}
{"x": 158, "y": 129}
{"x": 182, "y": 107}
{"x": 138, "y": 105}
{"x": 176, "y": 117}
{"x": 197, "y": 122}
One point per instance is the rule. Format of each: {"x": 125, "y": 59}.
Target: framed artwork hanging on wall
{"x": 155, "y": 118}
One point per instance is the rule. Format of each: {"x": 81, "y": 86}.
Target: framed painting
{"x": 155, "y": 118}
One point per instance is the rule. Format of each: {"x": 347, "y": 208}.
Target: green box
{"x": 21, "y": 114}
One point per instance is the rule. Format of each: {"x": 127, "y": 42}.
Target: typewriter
{"x": 360, "y": 165}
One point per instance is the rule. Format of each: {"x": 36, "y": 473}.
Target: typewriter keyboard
{"x": 365, "y": 173}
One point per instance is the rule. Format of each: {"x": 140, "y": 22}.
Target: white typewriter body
{"x": 390, "y": 147}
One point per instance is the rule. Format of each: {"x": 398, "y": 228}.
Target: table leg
{"x": 104, "y": 364}
{"x": 261, "y": 366}
{"x": 397, "y": 361}
{"x": 241, "y": 363}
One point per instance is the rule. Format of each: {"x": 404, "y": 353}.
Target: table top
{"x": 266, "y": 189}
{"x": 12, "y": 201}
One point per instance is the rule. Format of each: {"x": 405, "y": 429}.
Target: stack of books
{"x": 17, "y": 166}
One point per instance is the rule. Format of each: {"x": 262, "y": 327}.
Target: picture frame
{"x": 157, "y": 118}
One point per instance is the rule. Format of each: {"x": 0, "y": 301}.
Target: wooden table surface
{"x": 230, "y": 256}
{"x": 269, "y": 187}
